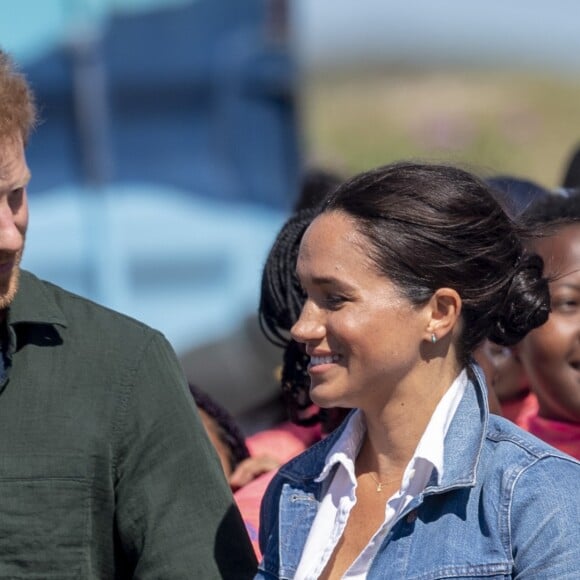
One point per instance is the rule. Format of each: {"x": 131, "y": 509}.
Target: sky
{"x": 535, "y": 34}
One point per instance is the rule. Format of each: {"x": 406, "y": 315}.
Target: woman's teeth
{"x": 323, "y": 360}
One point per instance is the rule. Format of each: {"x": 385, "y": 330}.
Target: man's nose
{"x": 11, "y": 235}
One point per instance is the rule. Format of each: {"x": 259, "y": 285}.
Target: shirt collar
{"x": 346, "y": 447}
{"x": 431, "y": 445}
{"x": 463, "y": 443}
{"x": 33, "y": 304}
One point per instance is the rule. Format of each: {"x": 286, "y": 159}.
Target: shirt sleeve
{"x": 175, "y": 515}
{"x": 545, "y": 520}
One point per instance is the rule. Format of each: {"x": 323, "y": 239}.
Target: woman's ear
{"x": 445, "y": 310}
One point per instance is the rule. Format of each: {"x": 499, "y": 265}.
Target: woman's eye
{"x": 565, "y": 305}
{"x": 334, "y": 301}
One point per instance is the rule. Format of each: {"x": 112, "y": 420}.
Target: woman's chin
{"x": 326, "y": 396}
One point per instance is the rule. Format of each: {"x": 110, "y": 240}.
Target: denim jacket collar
{"x": 494, "y": 511}
{"x": 463, "y": 443}
{"x": 300, "y": 496}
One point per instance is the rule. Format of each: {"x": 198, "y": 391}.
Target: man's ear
{"x": 444, "y": 310}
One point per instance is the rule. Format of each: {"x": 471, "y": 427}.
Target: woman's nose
{"x": 309, "y": 326}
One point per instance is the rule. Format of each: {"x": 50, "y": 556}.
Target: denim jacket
{"x": 507, "y": 506}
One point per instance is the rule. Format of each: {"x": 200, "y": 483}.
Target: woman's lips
{"x": 317, "y": 361}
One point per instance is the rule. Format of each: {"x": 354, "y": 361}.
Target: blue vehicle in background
{"x": 167, "y": 156}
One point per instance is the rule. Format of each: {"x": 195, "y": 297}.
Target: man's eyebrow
{"x": 18, "y": 183}
{"x": 25, "y": 180}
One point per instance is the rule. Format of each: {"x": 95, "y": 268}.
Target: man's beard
{"x": 9, "y": 287}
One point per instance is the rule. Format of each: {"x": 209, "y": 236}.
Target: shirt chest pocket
{"x": 44, "y": 517}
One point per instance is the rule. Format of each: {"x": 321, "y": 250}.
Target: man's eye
{"x": 15, "y": 197}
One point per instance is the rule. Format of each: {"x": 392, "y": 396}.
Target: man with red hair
{"x": 105, "y": 468}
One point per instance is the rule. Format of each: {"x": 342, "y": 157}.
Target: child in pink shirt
{"x": 550, "y": 354}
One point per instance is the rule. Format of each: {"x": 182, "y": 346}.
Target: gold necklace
{"x": 379, "y": 484}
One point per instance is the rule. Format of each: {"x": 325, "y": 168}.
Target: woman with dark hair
{"x": 406, "y": 270}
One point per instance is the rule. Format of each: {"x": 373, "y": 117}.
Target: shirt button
{"x": 411, "y": 516}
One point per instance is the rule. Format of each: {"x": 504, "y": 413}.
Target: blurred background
{"x": 175, "y": 135}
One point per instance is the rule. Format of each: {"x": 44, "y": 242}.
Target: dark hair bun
{"x": 527, "y": 302}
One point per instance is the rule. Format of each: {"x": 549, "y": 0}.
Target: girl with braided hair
{"x": 281, "y": 300}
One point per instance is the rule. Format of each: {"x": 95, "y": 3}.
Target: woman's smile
{"x": 322, "y": 361}
{"x": 361, "y": 334}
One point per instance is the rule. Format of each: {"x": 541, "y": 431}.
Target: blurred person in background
{"x": 249, "y": 463}
{"x": 515, "y": 194}
{"x": 224, "y": 434}
{"x": 504, "y": 371}
{"x": 571, "y": 178}
{"x": 280, "y": 302}
{"x": 241, "y": 371}
{"x": 508, "y": 382}
{"x": 550, "y": 354}
{"x": 406, "y": 270}
{"x": 106, "y": 470}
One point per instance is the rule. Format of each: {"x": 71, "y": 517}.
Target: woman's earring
{"x": 433, "y": 338}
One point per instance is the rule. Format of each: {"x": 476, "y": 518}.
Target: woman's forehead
{"x": 333, "y": 249}
{"x": 331, "y": 234}
{"x": 333, "y": 227}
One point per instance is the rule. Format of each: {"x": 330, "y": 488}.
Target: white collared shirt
{"x": 332, "y": 515}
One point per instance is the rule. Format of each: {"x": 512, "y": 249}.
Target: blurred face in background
{"x": 14, "y": 178}
{"x": 550, "y": 354}
{"x": 213, "y": 432}
{"x": 503, "y": 370}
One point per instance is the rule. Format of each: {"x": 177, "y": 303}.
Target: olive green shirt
{"x": 105, "y": 470}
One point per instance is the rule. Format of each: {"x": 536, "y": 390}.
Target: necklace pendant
{"x": 379, "y": 487}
